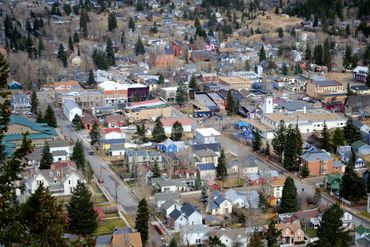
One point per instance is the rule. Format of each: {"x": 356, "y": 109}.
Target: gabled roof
{"x": 219, "y": 200}
{"x": 39, "y": 127}
{"x": 175, "y": 214}
{"x": 206, "y": 166}
{"x": 70, "y": 104}
{"x": 316, "y": 155}
{"x": 188, "y": 209}
{"x": 358, "y": 144}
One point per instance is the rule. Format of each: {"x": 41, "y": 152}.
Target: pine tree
{"x": 193, "y": 82}
{"x": 262, "y": 202}
{"x": 256, "y": 142}
{"x": 123, "y": 39}
{"x": 181, "y": 94}
{"x": 325, "y": 138}
{"x": 40, "y": 48}
{"x": 76, "y": 38}
{"x": 255, "y": 240}
{"x": 273, "y": 235}
{"x": 326, "y": 53}
{"x": 247, "y": 66}
{"x": 4, "y": 71}
{"x": 83, "y": 24}
{"x": 161, "y": 79}
{"x": 34, "y": 102}
{"x": 289, "y": 202}
{"x": 318, "y": 55}
{"x": 215, "y": 242}
{"x": 142, "y": 220}
{"x": 308, "y": 53}
{"x": 40, "y": 118}
{"x": 70, "y": 44}
{"x": 280, "y": 32}
{"x": 156, "y": 172}
{"x": 221, "y": 169}
{"x": 352, "y": 186}
{"x": 110, "y": 51}
{"x": 76, "y": 122}
{"x": 317, "y": 196}
{"x": 49, "y": 117}
{"x": 284, "y": 69}
{"x": 78, "y": 155}
{"x": 349, "y": 90}
{"x": 197, "y": 183}
{"x": 262, "y": 54}
{"x": 291, "y": 149}
{"x": 351, "y": 132}
{"x": 204, "y": 195}
{"x": 230, "y": 104}
{"x": 112, "y": 22}
{"x": 305, "y": 172}
{"x": 173, "y": 243}
{"x": 267, "y": 149}
{"x": 46, "y": 158}
{"x": 278, "y": 142}
{"x": 95, "y": 135}
{"x": 91, "y": 79}
{"x": 158, "y": 131}
{"x": 298, "y": 140}
{"x": 136, "y": 97}
{"x": 331, "y": 232}
{"x": 139, "y": 47}
{"x": 62, "y": 55}
{"x": 131, "y": 24}
{"x": 82, "y": 217}
{"x": 154, "y": 28}
{"x": 347, "y": 60}
{"x": 337, "y": 138}
{"x": 43, "y": 217}
{"x": 140, "y": 134}
{"x": 177, "y": 131}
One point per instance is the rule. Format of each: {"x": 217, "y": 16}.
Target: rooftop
{"x": 300, "y": 116}
{"x": 208, "y": 132}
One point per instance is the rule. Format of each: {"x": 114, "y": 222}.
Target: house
{"x": 206, "y": 156}
{"x": 232, "y": 237}
{"x": 163, "y": 184}
{"x": 320, "y": 163}
{"x": 291, "y": 233}
{"x": 116, "y": 150}
{"x": 360, "y": 73}
{"x": 168, "y": 206}
{"x": 207, "y": 135}
{"x": 162, "y": 197}
{"x": 243, "y": 199}
{"x": 357, "y": 104}
{"x": 39, "y": 133}
{"x": 168, "y": 93}
{"x": 219, "y": 205}
{"x": 169, "y": 146}
{"x": 85, "y": 99}
{"x": 59, "y": 145}
{"x": 361, "y": 148}
{"x": 255, "y": 179}
{"x": 21, "y": 103}
{"x": 345, "y": 153}
{"x": 71, "y": 109}
{"x": 88, "y": 121}
{"x": 234, "y": 82}
{"x": 242, "y": 167}
{"x": 274, "y": 187}
{"x": 194, "y": 234}
{"x": 161, "y": 60}
{"x": 120, "y": 237}
{"x": 115, "y": 120}
{"x": 140, "y": 157}
{"x": 112, "y": 136}
{"x": 207, "y": 171}
{"x": 187, "y": 215}
{"x": 333, "y": 183}
{"x": 362, "y": 236}
{"x": 66, "y": 86}
{"x": 60, "y": 181}
{"x": 215, "y": 147}
{"x": 14, "y": 85}
{"x": 169, "y": 121}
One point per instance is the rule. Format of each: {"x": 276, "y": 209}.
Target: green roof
{"x": 361, "y": 230}
{"x": 357, "y": 144}
{"x": 334, "y": 181}
{"x": 40, "y": 127}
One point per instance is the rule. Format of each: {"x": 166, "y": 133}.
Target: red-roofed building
{"x": 88, "y": 120}
{"x": 62, "y": 164}
{"x": 115, "y": 120}
{"x": 169, "y": 121}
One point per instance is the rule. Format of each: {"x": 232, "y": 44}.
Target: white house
{"x": 59, "y": 156}
{"x": 161, "y": 198}
{"x": 186, "y": 215}
{"x": 113, "y": 134}
{"x": 71, "y": 109}
{"x": 233, "y": 237}
{"x": 169, "y": 121}
{"x": 116, "y": 150}
{"x": 194, "y": 234}
{"x": 59, "y": 181}
{"x": 243, "y": 199}
{"x": 207, "y": 171}
{"x": 60, "y": 149}
{"x": 219, "y": 205}
{"x": 207, "y": 135}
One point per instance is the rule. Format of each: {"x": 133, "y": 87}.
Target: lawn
{"x": 232, "y": 182}
{"x": 312, "y": 233}
{"x": 366, "y": 214}
{"x": 99, "y": 198}
{"x": 108, "y": 226}
{"x": 96, "y": 188}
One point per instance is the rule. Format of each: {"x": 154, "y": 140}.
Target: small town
{"x": 166, "y": 123}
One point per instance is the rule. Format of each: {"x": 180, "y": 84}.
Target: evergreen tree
{"x": 95, "y": 135}
{"x": 139, "y": 47}
{"x": 173, "y": 243}
{"x": 112, "y": 22}
{"x": 337, "y": 138}
{"x": 318, "y": 55}
{"x": 40, "y": 118}
{"x": 49, "y": 117}
{"x": 256, "y": 142}
{"x": 140, "y": 134}
{"x": 347, "y": 60}
{"x": 123, "y": 39}
{"x": 34, "y": 102}
{"x": 230, "y": 104}
{"x": 317, "y": 196}
{"x": 204, "y": 195}
{"x": 78, "y": 51}
{"x": 154, "y": 28}
{"x": 83, "y": 24}
{"x": 110, "y": 51}
{"x": 181, "y": 94}
{"x": 91, "y": 79}
{"x": 289, "y": 202}
{"x": 62, "y": 55}
{"x": 284, "y": 69}
{"x": 273, "y": 235}
{"x": 221, "y": 169}
{"x": 158, "y": 131}
{"x": 305, "y": 172}
{"x": 280, "y": 32}
{"x": 366, "y": 58}
{"x": 351, "y": 132}
{"x": 82, "y": 217}
{"x": 101, "y": 59}
{"x": 215, "y": 242}
{"x": 256, "y": 241}
{"x": 331, "y": 232}
{"x": 198, "y": 183}
{"x": 142, "y": 220}
{"x": 367, "y": 78}
{"x": 46, "y": 158}
{"x": 76, "y": 122}
{"x": 156, "y": 172}
{"x": 131, "y": 24}
{"x": 70, "y": 44}
{"x": 262, "y": 54}
{"x": 137, "y": 96}
{"x": 267, "y": 149}
{"x": 76, "y": 38}
{"x": 352, "y": 186}
{"x": 308, "y": 53}
{"x": 177, "y": 131}
{"x": 43, "y": 218}
{"x": 193, "y": 82}
{"x": 40, "y": 47}
{"x": 325, "y": 138}
{"x": 326, "y": 53}
{"x": 78, "y": 155}
{"x": 349, "y": 90}
{"x": 278, "y": 142}
{"x": 161, "y": 79}
{"x": 262, "y": 202}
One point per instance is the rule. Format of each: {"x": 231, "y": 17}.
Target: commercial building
{"x": 85, "y": 99}
{"x": 115, "y": 93}
{"x": 70, "y": 109}
{"x": 234, "y": 82}
{"x": 315, "y": 89}
{"x": 66, "y": 85}
{"x": 148, "y": 110}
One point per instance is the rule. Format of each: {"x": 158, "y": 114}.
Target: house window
{"x": 198, "y": 241}
{"x": 69, "y": 182}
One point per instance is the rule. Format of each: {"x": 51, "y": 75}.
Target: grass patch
{"x": 117, "y": 168}
{"x": 108, "y": 226}
{"x": 232, "y": 182}
{"x": 366, "y": 214}
{"x": 312, "y": 233}
{"x": 99, "y": 199}
{"x": 96, "y": 188}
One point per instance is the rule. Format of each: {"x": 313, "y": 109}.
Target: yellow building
{"x": 315, "y": 89}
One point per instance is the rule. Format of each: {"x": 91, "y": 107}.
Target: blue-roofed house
{"x": 169, "y": 146}
{"x": 18, "y": 125}
{"x": 14, "y": 85}
{"x": 207, "y": 171}
{"x": 186, "y": 215}
{"x": 219, "y": 205}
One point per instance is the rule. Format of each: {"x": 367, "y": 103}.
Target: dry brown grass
{"x": 343, "y": 78}
{"x": 274, "y": 22}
